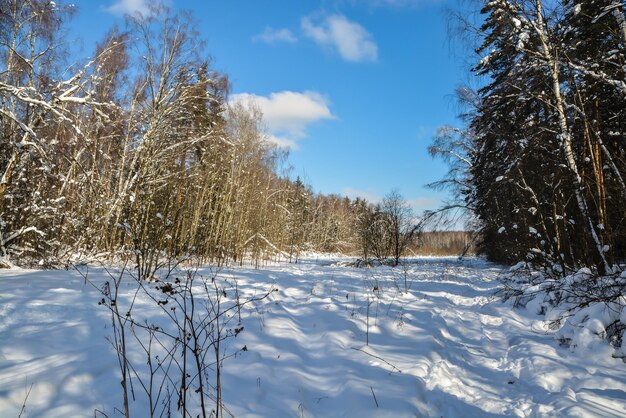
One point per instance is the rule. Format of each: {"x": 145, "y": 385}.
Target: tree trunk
{"x": 565, "y": 137}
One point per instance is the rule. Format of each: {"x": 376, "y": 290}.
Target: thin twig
{"x": 374, "y": 395}
{"x": 25, "y": 400}
{"x": 379, "y": 358}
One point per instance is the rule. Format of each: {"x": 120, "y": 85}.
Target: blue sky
{"x": 355, "y": 88}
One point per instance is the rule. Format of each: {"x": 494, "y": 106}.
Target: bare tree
{"x": 401, "y": 223}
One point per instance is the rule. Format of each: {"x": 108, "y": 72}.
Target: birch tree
{"x": 40, "y": 109}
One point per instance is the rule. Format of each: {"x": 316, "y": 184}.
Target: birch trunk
{"x": 565, "y": 135}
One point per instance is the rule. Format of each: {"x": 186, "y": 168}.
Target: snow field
{"x": 444, "y": 348}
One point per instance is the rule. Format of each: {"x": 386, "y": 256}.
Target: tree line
{"x": 137, "y": 152}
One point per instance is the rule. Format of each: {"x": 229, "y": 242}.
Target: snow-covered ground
{"x": 444, "y": 348}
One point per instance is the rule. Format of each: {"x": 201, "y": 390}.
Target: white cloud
{"x": 351, "y": 40}
{"x": 287, "y": 114}
{"x": 281, "y": 141}
{"x": 271, "y": 36}
{"x": 131, "y": 7}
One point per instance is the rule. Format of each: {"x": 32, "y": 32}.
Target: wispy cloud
{"x": 281, "y": 141}
{"x": 131, "y": 7}
{"x": 389, "y": 4}
{"x": 288, "y": 114}
{"x": 351, "y": 40}
{"x": 272, "y": 36}
{"x": 400, "y": 3}
{"x": 418, "y": 204}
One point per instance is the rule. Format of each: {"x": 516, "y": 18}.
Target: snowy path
{"x": 442, "y": 349}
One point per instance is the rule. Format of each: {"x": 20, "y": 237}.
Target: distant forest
{"x": 443, "y": 243}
